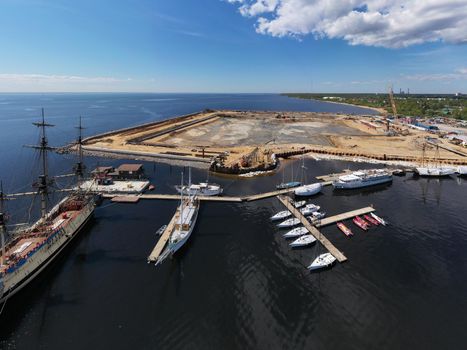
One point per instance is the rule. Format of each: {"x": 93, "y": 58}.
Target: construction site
{"x": 239, "y": 142}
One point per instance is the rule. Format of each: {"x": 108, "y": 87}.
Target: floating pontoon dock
{"x": 158, "y": 249}
{"x": 313, "y": 230}
{"x": 344, "y": 216}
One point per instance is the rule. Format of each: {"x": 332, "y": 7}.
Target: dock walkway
{"x": 344, "y": 216}
{"x": 313, "y": 230}
{"x": 158, "y": 249}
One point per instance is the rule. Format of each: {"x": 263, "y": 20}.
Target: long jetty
{"x": 313, "y": 230}
{"x": 344, "y": 216}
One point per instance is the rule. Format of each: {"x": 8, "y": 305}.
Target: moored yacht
{"x": 362, "y": 178}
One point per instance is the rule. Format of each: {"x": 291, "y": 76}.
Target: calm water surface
{"x": 237, "y": 284}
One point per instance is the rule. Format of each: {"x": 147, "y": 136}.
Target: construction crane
{"x": 393, "y": 103}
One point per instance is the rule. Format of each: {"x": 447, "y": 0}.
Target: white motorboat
{"x": 436, "y": 171}
{"x": 322, "y": 261}
{"x": 296, "y": 232}
{"x": 201, "y": 189}
{"x": 303, "y": 241}
{"x": 281, "y": 215}
{"x": 308, "y": 190}
{"x": 379, "y": 219}
{"x": 299, "y": 204}
{"x": 317, "y": 215}
{"x": 462, "y": 170}
{"x": 310, "y": 209}
{"x": 289, "y": 222}
{"x": 362, "y": 178}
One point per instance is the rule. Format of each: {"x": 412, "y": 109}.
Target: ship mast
{"x": 80, "y": 167}
{"x": 2, "y": 223}
{"x": 43, "y": 147}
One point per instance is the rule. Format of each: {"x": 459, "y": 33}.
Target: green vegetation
{"x": 407, "y": 105}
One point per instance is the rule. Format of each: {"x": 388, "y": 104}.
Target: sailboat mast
{"x": 2, "y": 224}
{"x": 44, "y": 178}
{"x": 181, "y": 202}
{"x": 79, "y": 169}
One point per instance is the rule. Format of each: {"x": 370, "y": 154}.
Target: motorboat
{"x": 379, "y": 219}
{"x": 303, "y": 241}
{"x": 322, "y": 261}
{"x": 371, "y": 220}
{"x": 310, "y": 209}
{"x": 347, "y": 231}
{"x": 360, "y": 223}
{"x": 289, "y": 223}
{"x": 308, "y": 190}
{"x": 281, "y": 215}
{"x": 299, "y": 204}
{"x": 296, "y": 232}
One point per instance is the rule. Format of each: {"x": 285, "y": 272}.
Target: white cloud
{"x": 52, "y": 83}
{"x": 460, "y": 74}
{"x": 386, "y": 23}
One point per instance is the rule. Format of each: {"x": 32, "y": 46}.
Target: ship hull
{"x": 44, "y": 258}
{"x": 176, "y": 246}
{"x": 360, "y": 184}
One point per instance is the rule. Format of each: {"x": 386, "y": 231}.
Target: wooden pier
{"x": 344, "y": 216}
{"x": 159, "y": 248}
{"x": 313, "y": 230}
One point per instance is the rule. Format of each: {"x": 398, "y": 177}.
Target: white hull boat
{"x": 296, "y": 232}
{"x": 303, "y": 241}
{"x": 462, "y": 170}
{"x": 308, "y": 190}
{"x": 289, "y": 222}
{"x": 201, "y": 189}
{"x": 300, "y": 204}
{"x": 379, "y": 219}
{"x": 281, "y": 215}
{"x": 310, "y": 209}
{"x": 322, "y": 261}
{"x": 435, "y": 171}
{"x": 362, "y": 178}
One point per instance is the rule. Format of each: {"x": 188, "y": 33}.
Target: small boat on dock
{"x": 286, "y": 185}
{"x": 303, "y": 241}
{"x": 347, "y": 231}
{"x": 360, "y": 223}
{"x": 310, "y": 209}
{"x": 289, "y": 223}
{"x": 308, "y": 190}
{"x": 281, "y": 215}
{"x": 379, "y": 219}
{"x": 371, "y": 220}
{"x": 299, "y": 204}
{"x": 322, "y": 261}
{"x": 296, "y": 232}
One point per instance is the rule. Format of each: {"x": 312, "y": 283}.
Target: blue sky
{"x": 233, "y": 45}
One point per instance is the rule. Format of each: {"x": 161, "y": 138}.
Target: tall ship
{"x": 362, "y": 178}
{"x": 182, "y": 225}
{"x": 29, "y": 250}
{"x": 433, "y": 170}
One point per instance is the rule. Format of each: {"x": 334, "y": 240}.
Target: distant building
{"x": 130, "y": 171}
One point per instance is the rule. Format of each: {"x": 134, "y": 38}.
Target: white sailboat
{"x": 289, "y": 223}
{"x": 186, "y": 216}
{"x": 296, "y": 232}
{"x": 281, "y": 215}
{"x": 310, "y": 189}
{"x": 303, "y": 241}
{"x": 322, "y": 261}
